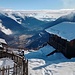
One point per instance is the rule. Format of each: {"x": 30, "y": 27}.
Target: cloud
{"x": 68, "y": 4}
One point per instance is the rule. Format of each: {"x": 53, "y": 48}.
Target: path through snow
{"x": 55, "y": 64}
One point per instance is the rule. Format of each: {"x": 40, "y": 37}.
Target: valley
{"x": 26, "y": 29}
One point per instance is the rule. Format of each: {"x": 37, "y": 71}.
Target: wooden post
{"x": 13, "y": 70}
{"x": 12, "y": 56}
{"x": 0, "y": 70}
{"x": 21, "y": 60}
{"x": 8, "y": 69}
{"x": 16, "y": 69}
{"x": 23, "y": 66}
{"x": 3, "y": 69}
{"x": 17, "y": 59}
{"x": 27, "y": 68}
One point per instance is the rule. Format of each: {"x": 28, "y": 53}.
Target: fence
{"x": 20, "y": 67}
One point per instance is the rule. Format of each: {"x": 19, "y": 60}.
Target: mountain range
{"x": 27, "y": 28}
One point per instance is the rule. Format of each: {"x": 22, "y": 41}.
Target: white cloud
{"x": 70, "y": 4}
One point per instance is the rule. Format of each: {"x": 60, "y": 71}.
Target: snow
{"x": 56, "y": 64}
{"x": 1, "y": 46}
{"x": 42, "y": 52}
{"x": 69, "y": 16}
{"x": 47, "y": 15}
{"x": 6, "y": 62}
{"x": 2, "y": 41}
{"x": 5, "y": 30}
{"x": 65, "y": 30}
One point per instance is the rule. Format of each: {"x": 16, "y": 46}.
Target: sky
{"x": 37, "y": 4}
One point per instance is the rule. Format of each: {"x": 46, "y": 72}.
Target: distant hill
{"x": 41, "y": 39}
{"x": 11, "y": 24}
{"x": 38, "y": 40}
{"x": 6, "y": 37}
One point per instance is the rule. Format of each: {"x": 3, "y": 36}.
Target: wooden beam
{"x": 51, "y": 53}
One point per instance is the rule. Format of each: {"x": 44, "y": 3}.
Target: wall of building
{"x": 62, "y": 45}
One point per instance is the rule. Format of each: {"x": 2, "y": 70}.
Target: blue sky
{"x": 37, "y": 4}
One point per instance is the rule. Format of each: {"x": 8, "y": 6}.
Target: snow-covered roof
{"x": 66, "y": 30}
{"x": 2, "y": 41}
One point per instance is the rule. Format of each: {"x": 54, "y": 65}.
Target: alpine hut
{"x": 62, "y": 38}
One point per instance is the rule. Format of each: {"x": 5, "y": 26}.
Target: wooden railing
{"x": 8, "y": 70}
{"x": 20, "y": 67}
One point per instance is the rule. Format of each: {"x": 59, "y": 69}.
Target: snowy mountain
{"x": 44, "y": 15}
{"x": 29, "y": 28}
{"x": 37, "y": 41}
{"x": 67, "y": 18}
{"x": 2, "y": 41}
{"x": 6, "y": 37}
{"x": 35, "y": 19}
{"x": 5, "y": 30}
{"x": 26, "y": 25}
{"x": 31, "y": 24}
{"x": 9, "y": 23}
{"x": 38, "y": 14}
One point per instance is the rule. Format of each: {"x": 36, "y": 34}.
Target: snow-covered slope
{"x": 37, "y": 40}
{"x": 4, "y": 62}
{"x": 56, "y": 64}
{"x": 2, "y": 41}
{"x": 8, "y": 24}
{"x": 5, "y": 30}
